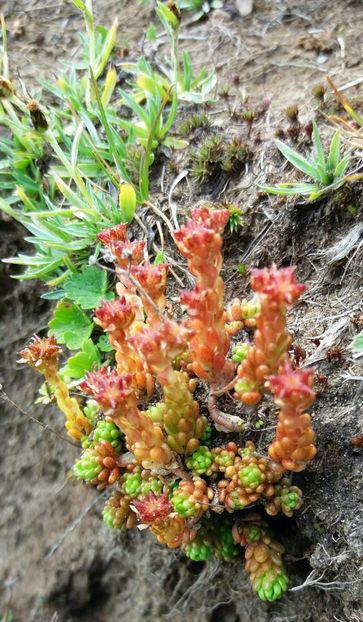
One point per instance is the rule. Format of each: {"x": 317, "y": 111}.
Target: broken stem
{"x": 224, "y": 422}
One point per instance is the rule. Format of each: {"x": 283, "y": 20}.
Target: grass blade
{"x": 319, "y": 151}
{"x": 291, "y": 189}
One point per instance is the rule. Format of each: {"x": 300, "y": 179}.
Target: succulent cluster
{"x": 163, "y": 450}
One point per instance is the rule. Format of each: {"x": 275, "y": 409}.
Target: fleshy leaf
{"x": 70, "y": 325}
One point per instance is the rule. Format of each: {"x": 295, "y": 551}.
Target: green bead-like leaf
{"x": 250, "y": 476}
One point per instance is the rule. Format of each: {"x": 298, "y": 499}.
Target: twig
{"x": 230, "y": 385}
{"x": 172, "y": 207}
{"x": 313, "y": 580}
{"x": 159, "y": 213}
{"x": 224, "y": 422}
{"x": 45, "y": 426}
{"x": 142, "y": 291}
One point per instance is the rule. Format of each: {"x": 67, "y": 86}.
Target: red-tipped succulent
{"x": 152, "y": 279}
{"x": 108, "y": 388}
{"x": 160, "y": 345}
{"x": 215, "y": 219}
{"x": 278, "y": 284}
{"x": 153, "y": 507}
{"x": 295, "y": 385}
{"x": 113, "y": 234}
{"x": 42, "y": 354}
{"x": 115, "y": 317}
{"x": 293, "y": 445}
{"x": 277, "y": 290}
{"x": 158, "y": 485}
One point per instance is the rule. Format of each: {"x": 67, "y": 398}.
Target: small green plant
{"x": 207, "y": 159}
{"x": 328, "y": 173}
{"x": 69, "y": 171}
{"x": 216, "y": 155}
{"x": 201, "y": 8}
{"x": 235, "y": 221}
{"x": 194, "y": 122}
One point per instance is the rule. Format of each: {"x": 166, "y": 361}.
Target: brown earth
{"x": 58, "y": 561}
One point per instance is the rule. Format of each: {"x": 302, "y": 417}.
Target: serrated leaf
{"x": 103, "y": 344}
{"x": 70, "y": 325}
{"x": 87, "y": 288}
{"x": 85, "y": 360}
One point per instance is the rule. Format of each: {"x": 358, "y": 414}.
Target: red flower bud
{"x": 278, "y": 285}
{"x": 153, "y": 507}
{"x": 127, "y": 253}
{"x": 114, "y": 234}
{"x": 292, "y": 383}
{"x": 215, "y": 219}
{"x": 152, "y": 279}
{"x": 42, "y": 354}
{"x": 107, "y": 387}
{"x": 115, "y": 316}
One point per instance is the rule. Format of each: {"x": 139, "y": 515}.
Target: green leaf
{"x": 70, "y": 325}
{"x": 342, "y": 167}
{"x": 334, "y": 152}
{"x": 83, "y": 361}
{"x": 358, "y": 343}
{"x": 54, "y": 294}
{"x": 87, "y": 288}
{"x": 151, "y": 32}
{"x": 297, "y": 160}
{"x": 291, "y": 189}
{"x": 159, "y": 257}
{"x": 320, "y": 157}
{"x": 103, "y": 344}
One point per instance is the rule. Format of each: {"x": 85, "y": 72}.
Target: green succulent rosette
{"x": 108, "y": 431}
{"x": 88, "y": 468}
{"x": 199, "y": 550}
{"x": 200, "y": 461}
{"x": 250, "y": 476}
{"x": 271, "y": 585}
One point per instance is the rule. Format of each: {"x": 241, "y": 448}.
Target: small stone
{"x": 244, "y": 7}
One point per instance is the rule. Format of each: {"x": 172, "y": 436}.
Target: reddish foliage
{"x": 153, "y": 507}
{"x": 278, "y": 284}
{"x": 107, "y": 387}
{"x": 114, "y": 234}
{"x": 292, "y": 383}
